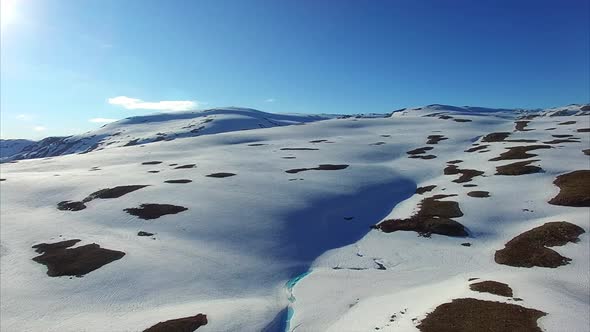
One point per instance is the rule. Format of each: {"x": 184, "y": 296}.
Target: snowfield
{"x": 284, "y": 243}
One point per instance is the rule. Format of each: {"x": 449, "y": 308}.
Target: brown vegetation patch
{"x": 434, "y": 139}
{"x": 495, "y": 137}
{"x": 290, "y": 157}
{"x": 153, "y": 171}
{"x": 520, "y": 152}
{"x": 530, "y": 248}
{"x": 562, "y": 136}
{"x": 521, "y": 140}
{"x": 114, "y": 192}
{"x": 518, "y": 168}
{"x": 61, "y": 261}
{"x": 462, "y": 120}
{"x": 552, "y": 128}
{"x": 477, "y": 148}
{"x": 422, "y": 190}
{"x": 567, "y": 123}
{"x": 466, "y": 174}
{"x": 478, "y": 194}
{"x": 256, "y": 144}
{"x": 179, "y": 181}
{"x": 318, "y": 141}
{"x": 186, "y": 166}
{"x": 492, "y": 287}
{"x": 457, "y": 161}
{"x": 151, "y": 162}
{"x": 586, "y": 152}
{"x": 186, "y": 324}
{"x": 574, "y": 189}
{"x": 220, "y": 175}
{"x": 563, "y": 140}
{"x": 468, "y": 315}
{"x": 583, "y": 130}
{"x": 445, "y": 117}
{"x": 378, "y": 143}
{"x": 428, "y": 156}
{"x": 521, "y": 125}
{"x": 420, "y": 150}
{"x": 71, "y": 206}
{"x": 299, "y": 149}
{"x": 434, "y": 217}
{"x": 142, "y": 233}
{"x": 154, "y": 211}
{"x": 323, "y": 167}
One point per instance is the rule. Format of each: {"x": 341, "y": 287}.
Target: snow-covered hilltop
{"x": 153, "y": 128}
{"x": 430, "y": 219}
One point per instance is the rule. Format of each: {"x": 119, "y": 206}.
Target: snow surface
{"x": 232, "y": 253}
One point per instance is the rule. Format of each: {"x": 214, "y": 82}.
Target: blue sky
{"x": 66, "y": 62}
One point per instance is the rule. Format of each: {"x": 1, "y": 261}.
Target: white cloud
{"x": 163, "y": 105}
{"x": 39, "y": 128}
{"x": 102, "y": 120}
{"x": 24, "y": 117}
{"x": 270, "y": 100}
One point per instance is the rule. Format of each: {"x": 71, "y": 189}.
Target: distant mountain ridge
{"x": 169, "y": 126}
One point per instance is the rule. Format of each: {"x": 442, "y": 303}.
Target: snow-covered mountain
{"x": 11, "y": 147}
{"x": 154, "y": 128}
{"x": 412, "y": 222}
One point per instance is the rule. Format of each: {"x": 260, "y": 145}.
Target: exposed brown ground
{"x": 586, "y": 152}
{"x": 469, "y": 185}
{"x": 114, "y": 192}
{"x": 520, "y": 152}
{"x": 583, "y": 130}
{"x": 457, "y": 161}
{"x": 567, "y": 123}
{"x": 427, "y": 156}
{"x": 492, "y": 287}
{"x": 220, "y": 175}
{"x": 256, "y": 144}
{"x": 562, "y": 136}
{"x": 142, "y": 233}
{"x": 462, "y": 120}
{"x": 434, "y": 139}
{"x": 563, "y": 140}
{"x": 434, "y": 217}
{"x": 574, "y": 189}
{"x": 2, "y": 179}
{"x": 479, "y": 194}
{"x": 495, "y": 137}
{"x": 289, "y": 157}
{"x": 179, "y": 181}
{"x": 521, "y": 125}
{"x": 151, "y": 162}
{"x": 299, "y": 149}
{"x": 323, "y": 167}
{"x": 61, "y": 261}
{"x": 186, "y": 324}
{"x": 477, "y": 148}
{"x": 471, "y": 315}
{"x": 518, "y": 168}
{"x": 422, "y": 190}
{"x": 420, "y": 150}
{"x": 318, "y": 141}
{"x": 153, "y": 171}
{"x": 530, "y": 248}
{"x": 185, "y": 166}
{"x": 552, "y": 128}
{"x": 378, "y": 143}
{"x": 521, "y": 140}
{"x": 466, "y": 174}
{"x": 154, "y": 211}
{"x": 70, "y": 206}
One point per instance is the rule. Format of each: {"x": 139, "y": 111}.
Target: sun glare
{"x": 7, "y": 13}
